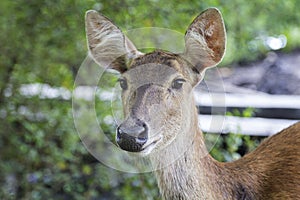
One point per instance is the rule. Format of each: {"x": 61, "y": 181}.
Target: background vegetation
{"x": 43, "y": 42}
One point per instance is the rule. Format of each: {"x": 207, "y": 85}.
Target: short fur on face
{"x": 150, "y": 95}
{"x": 157, "y": 99}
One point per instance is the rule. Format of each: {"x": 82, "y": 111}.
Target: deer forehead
{"x": 158, "y": 56}
{"x": 156, "y": 67}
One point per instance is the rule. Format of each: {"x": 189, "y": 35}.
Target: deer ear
{"x": 107, "y": 45}
{"x": 205, "y": 40}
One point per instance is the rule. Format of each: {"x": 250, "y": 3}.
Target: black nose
{"x": 132, "y": 138}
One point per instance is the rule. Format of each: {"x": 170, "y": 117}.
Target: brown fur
{"x": 185, "y": 170}
{"x": 275, "y": 166}
{"x": 270, "y": 172}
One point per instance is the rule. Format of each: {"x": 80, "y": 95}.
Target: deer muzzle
{"x": 132, "y": 138}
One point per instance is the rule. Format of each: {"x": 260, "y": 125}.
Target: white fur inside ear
{"x": 210, "y": 31}
{"x": 205, "y": 40}
{"x": 132, "y": 52}
{"x": 196, "y": 37}
{"x": 196, "y": 50}
{"x": 106, "y": 42}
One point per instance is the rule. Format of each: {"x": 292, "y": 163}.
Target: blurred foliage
{"x": 232, "y": 146}
{"x": 41, "y": 155}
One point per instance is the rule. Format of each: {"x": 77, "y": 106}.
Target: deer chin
{"x": 150, "y": 145}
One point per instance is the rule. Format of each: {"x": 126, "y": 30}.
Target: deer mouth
{"x": 149, "y": 146}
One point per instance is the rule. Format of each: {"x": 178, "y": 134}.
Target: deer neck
{"x": 191, "y": 175}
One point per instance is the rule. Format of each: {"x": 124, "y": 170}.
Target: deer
{"x": 160, "y": 117}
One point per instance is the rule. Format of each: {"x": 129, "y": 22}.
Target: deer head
{"x": 157, "y": 87}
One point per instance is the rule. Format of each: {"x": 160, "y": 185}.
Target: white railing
{"x": 228, "y": 124}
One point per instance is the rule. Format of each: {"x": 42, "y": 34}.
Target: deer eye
{"x": 123, "y": 83}
{"x": 177, "y": 83}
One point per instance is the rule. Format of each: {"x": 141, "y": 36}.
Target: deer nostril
{"x": 132, "y": 138}
{"x": 143, "y": 135}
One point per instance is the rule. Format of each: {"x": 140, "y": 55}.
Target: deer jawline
{"x": 149, "y": 146}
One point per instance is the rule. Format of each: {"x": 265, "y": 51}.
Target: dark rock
{"x": 277, "y": 74}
